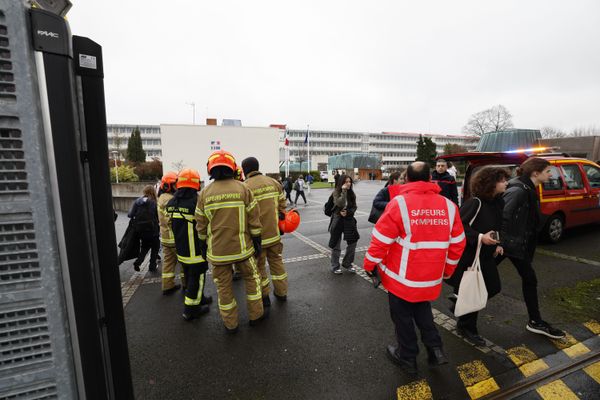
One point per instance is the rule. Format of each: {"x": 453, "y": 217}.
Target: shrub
{"x": 126, "y": 174}
{"x": 149, "y": 171}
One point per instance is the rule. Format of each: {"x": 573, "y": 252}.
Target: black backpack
{"x": 329, "y": 206}
{"x": 144, "y": 220}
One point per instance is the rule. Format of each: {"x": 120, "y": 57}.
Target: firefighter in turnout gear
{"x": 165, "y": 194}
{"x": 228, "y": 220}
{"x": 181, "y": 211}
{"x": 271, "y": 202}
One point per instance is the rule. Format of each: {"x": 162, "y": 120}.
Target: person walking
{"x": 481, "y": 217}
{"x": 336, "y": 177}
{"x": 520, "y": 224}
{"x": 271, "y": 203}
{"x": 181, "y": 210}
{"x": 452, "y": 169}
{"x": 287, "y": 187}
{"x": 229, "y": 229}
{"x": 416, "y": 243}
{"x": 145, "y": 221}
{"x": 299, "y": 186}
{"x": 447, "y": 183}
{"x": 381, "y": 200}
{"x": 167, "y": 239}
{"x": 343, "y": 223}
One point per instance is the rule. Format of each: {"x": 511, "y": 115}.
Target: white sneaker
{"x": 352, "y": 269}
{"x": 337, "y": 270}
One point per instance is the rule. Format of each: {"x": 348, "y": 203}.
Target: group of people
{"x": 299, "y": 185}
{"x": 228, "y": 224}
{"x": 421, "y": 238}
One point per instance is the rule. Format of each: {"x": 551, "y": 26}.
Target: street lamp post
{"x": 115, "y": 153}
{"x": 194, "y": 111}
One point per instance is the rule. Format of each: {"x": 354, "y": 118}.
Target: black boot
{"x": 436, "y": 356}
{"x": 172, "y": 290}
{"x": 281, "y": 298}
{"x": 254, "y": 322}
{"x": 266, "y": 301}
{"x": 192, "y": 312}
{"x": 472, "y": 337}
{"x": 206, "y": 300}
{"x": 407, "y": 364}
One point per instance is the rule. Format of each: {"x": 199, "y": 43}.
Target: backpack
{"x": 328, "y": 207}
{"x": 296, "y": 186}
{"x": 144, "y": 221}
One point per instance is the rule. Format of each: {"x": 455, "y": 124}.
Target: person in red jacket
{"x": 416, "y": 243}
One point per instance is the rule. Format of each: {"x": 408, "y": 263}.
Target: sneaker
{"x": 337, "y": 270}
{"x": 352, "y": 269}
{"x": 544, "y": 328}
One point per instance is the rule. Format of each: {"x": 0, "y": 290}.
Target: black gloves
{"x": 203, "y": 248}
{"x": 257, "y": 245}
{"x": 281, "y": 216}
{"x": 374, "y": 275}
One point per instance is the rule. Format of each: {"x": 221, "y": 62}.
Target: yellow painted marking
{"x": 526, "y": 360}
{"x": 477, "y": 379}
{"x": 593, "y": 371}
{"x": 418, "y": 390}
{"x": 556, "y": 390}
{"x": 552, "y": 199}
{"x": 593, "y": 326}
{"x": 576, "y": 350}
{"x": 565, "y": 342}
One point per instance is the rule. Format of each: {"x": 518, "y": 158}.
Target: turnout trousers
{"x": 223, "y": 278}
{"x": 169, "y": 262}
{"x": 272, "y": 254}
{"x": 405, "y": 314}
{"x": 194, "y": 290}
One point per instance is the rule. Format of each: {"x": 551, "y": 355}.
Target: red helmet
{"x": 290, "y": 223}
{"x": 168, "y": 181}
{"x": 221, "y": 157}
{"x": 188, "y": 178}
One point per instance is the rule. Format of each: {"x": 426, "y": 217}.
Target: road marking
{"x": 477, "y": 379}
{"x": 418, "y": 390}
{"x": 593, "y": 326}
{"x": 556, "y": 390}
{"x": 134, "y": 282}
{"x": 526, "y": 360}
{"x": 568, "y": 257}
{"x": 439, "y": 317}
{"x": 593, "y": 371}
{"x": 570, "y": 346}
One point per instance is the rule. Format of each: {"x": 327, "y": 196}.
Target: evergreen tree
{"x": 426, "y": 150}
{"x": 135, "y": 151}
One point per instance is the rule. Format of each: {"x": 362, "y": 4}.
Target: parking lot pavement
{"x": 328, "y": 340}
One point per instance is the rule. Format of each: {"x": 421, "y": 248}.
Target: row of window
{"x": 125, "y": 141}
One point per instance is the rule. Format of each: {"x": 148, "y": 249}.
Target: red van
{"x": 571, "y": 197}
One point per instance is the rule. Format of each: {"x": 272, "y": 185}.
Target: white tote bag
{"x": 472, "y": 293}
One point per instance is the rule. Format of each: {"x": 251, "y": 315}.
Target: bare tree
{"x": 494, "y": 119}
{"x": 549, "y": 132}
{"x": 591, "y": 130}
{"x": 178, "y": 165}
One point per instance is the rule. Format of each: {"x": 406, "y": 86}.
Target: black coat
{"x": 521, "y": 219}
{"x": 488, "y": 219}
{"x": 339, "y": 225}
{"x": 380, "y": 201}
{"x": 448, "y": 185}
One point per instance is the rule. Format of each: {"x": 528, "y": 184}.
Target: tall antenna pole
{"x": 193, "y": 112}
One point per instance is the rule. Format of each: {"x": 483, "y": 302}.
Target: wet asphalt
{"x": 328, "y": 340}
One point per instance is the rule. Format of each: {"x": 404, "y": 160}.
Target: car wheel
{"x": 555, "y": 227}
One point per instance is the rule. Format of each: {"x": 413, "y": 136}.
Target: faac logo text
{"x": 49, "y": 34}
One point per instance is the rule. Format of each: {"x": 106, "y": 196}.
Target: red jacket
{"x": 417, "y": 242}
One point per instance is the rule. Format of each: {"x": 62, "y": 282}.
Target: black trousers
{"x": 195, "y": 275}
{"x": 528, "y": 285}
{"x": 149, "y": 243}
{"x": 288, "y": 196}
{"x": 300, "y": 194}
{"x": 405, "y": 314}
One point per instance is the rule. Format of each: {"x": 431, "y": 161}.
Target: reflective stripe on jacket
{"x": 164, "y": 220}
{"x": 227, "y": 215}
{"x": 417, "y": 242}
{"x": 271, "y": 201}
{"x": 187, "y": 243}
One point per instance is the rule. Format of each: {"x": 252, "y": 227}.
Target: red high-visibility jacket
{"x": 417, "y": 242}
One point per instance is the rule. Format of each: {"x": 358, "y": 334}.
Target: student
{"x": 343, "y": 223}
{"x": 145, "y": 221}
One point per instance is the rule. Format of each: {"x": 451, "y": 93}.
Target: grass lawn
{"x": 320, "y": 185}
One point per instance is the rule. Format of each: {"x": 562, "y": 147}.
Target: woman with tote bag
{"x": 481, "y": 216}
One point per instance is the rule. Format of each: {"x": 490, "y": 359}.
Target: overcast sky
{"x": 406, "y": 66}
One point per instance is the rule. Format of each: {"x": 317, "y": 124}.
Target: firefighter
{"x": 271, "y": 202}
{"x": 165, "y": 194}
{"x": 228, "y": 223}
{"x": 417, "y": 242}
{"x": 181, "y": 211}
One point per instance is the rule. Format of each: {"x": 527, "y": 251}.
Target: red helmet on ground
{"x": 188, "y": 178}
{"x": 168, "y": 181}
{"x": 221, "y": 157}
{"x": 290, "y": 223}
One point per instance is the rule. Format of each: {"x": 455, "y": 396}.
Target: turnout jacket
{"x": 181, "y": 212}
{"x": 271, "y": 201}
{"x": 164, "y": 220}
{"x": 417, "y": 242}
{"x": 227, "y": 215}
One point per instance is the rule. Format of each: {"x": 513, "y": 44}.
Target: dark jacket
{"x": 379, "y": 202}
{"x": 339, "y": 225}
{"x": 448, "y": 185}
{"x": 146, "y": 206}
{"x": 521, "y": 219}
{"x": 488, "y": 219}
{"x": 182, "y": 209}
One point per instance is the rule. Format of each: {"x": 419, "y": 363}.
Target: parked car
{"x": 571, "y": 197}
{"x": 324, "y": 176}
